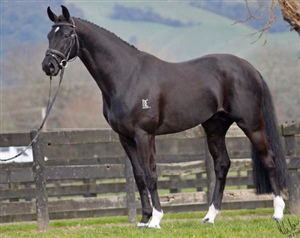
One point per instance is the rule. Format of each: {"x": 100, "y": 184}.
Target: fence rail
{"x": 88, "y": 175}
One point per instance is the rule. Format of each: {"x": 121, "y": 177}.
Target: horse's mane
{"x": 107, "y": 31}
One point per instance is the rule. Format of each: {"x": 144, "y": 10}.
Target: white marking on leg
{"x": 211, "y": 214}
{"x": 156, "y": 217}
{"x": 142, "y": 225}
{"x": 278, "y": 208}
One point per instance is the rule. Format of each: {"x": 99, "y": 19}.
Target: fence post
{"x": 210, "y": 173}
{"x": 175, "y": 184}
{"x": 294, "y": 192}
{"x": 198, "y": 179}
{"x": 40, "y": 181}
{"x": 91, "y": 184}
{"x": 289, "y": 132}
{"x": 130, "y": 191}
{"x": 289, "y": 142}
{"x": 294, "y": 185}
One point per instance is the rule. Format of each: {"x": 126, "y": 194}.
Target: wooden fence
{"x": 89, "y": 175}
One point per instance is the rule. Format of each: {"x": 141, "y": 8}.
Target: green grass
{"x": 243, "y": 223}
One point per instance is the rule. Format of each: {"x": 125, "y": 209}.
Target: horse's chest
{"x": 117, "y": 115}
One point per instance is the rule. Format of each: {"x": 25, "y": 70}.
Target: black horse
{"x": 144, "y": 96}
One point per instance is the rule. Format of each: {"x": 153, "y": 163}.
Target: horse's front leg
{"x": 146, "y": 153}
{"x": 145, "y": 177}
{"x": 129, "y": 146}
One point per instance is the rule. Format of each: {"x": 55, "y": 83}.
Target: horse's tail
{"x": 260, "y": 174}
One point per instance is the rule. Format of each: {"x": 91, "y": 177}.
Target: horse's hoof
{"x": 154, "y": 226}
{"x": 277, "y": 219}
{"x": 142, "y": 225}
{"x": 207, "y": 221}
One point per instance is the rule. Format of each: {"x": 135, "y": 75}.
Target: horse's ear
{"x": 51, "y": 15}
{"x": 65, "y": 12}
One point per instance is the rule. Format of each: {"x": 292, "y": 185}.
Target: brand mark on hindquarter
{"x": 145, "y": 104}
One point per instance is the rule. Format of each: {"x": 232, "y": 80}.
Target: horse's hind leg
{"x": 215, "y": 130}
{"x": 260, "y": 144}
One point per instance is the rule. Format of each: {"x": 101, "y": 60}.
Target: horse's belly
{"x": 183, "y": 119}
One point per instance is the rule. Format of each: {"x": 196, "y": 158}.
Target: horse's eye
{"x": 67, "y": 35}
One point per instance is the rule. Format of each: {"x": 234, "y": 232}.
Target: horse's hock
{"x": 84, "y": 167}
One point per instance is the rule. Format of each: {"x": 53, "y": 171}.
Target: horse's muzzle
{"x": 50, "y": 66}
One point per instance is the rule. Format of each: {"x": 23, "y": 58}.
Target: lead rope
{"x": 49, "y": 107}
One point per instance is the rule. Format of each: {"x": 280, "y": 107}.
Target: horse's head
{"x": 63, "y": 42}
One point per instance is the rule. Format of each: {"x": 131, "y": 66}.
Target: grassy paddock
{"x": 242, "y": 223}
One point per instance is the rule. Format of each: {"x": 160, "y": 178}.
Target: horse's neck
{"x": 107, "y": 58}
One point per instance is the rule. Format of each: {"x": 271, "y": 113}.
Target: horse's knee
{"x": 140, "y": 180}
{"x": 151, "y": 182}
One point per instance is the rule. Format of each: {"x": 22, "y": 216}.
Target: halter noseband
{"x": 65, "y": 57}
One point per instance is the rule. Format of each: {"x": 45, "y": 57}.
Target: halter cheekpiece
{"x": 65, "y": 56}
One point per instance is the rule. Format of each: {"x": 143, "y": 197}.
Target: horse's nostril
{"x": 51, "y": 66}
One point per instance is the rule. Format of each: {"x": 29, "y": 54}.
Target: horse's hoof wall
{"x": 154, "y": 227}
{"x": 141, "y": 225}
{"x": 278, "y": 219}
{"x": 207, "y": 221}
